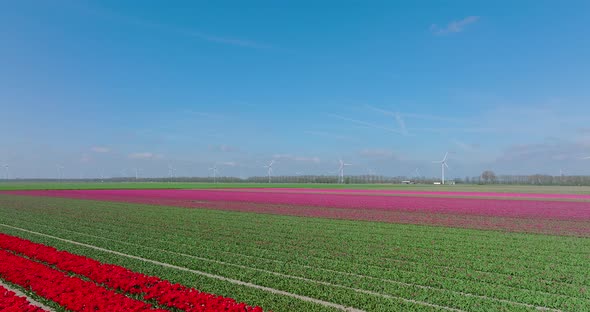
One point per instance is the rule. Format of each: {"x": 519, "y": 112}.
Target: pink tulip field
{"x": 539, "y": 213}
{"x": 263, "y": 249}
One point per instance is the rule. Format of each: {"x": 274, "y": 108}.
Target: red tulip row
{"x": 119, "y": 278}
{"x": 70, "y": 292}
{"x": 10, "y": 302}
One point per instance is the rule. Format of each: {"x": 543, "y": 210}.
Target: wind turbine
{"x": 171, "y": 171}
{"x": 369, "y": 177}
{"x": 417, "y": 173}
{"x": 443, "y": 164}
{"x": 59, "y": 173}
{"x": 214, "y": 168}
{"x": 137, "y": 170}
{"x": 269, "y": 166}
{"x": 561, "y": 175}
{"x": 341, "y": 170}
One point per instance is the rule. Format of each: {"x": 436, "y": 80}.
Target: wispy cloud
{"x": 223, "y": 148}
{"x": 550, "y": 149}
{"x": 144, "y": 155}
{"x": 136, "y": 21}
{"x": 379, "y": 110}
{"x": 228, "y": 163}
{"x": 433, "y": 117}
{"x": 460, "y": 129}
{"x": 296, "y": 158}
{"x": 226, "y": 40}
{"x": 86, "y": 159}
{"x": 398, "y": 118}
{"x": 200, "y": 114}
{"x": 327, "y": 135}
{"x": 454, "y": 26}
{"x": 467, "y": 147}
{"x": 100, "y": 149}
{"x": 401, "y": 123}
{"x": 366, "y": 124}
{"x": 401, "y": 117}
{"x": 377, "y": 153}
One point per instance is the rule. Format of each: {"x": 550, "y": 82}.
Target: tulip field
{"x": 10, "y": 301}
{"x": 293, "y": 249}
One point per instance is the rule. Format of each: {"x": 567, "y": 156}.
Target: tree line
{"x": 487, "y": 177}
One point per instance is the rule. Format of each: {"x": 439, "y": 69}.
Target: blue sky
{"x": 108, "y": 86}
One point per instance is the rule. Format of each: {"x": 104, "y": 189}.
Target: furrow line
{"x": 340, "y": 272}
{"x": 21, "y": 294}
{"x": 218, "y": 277}
{"x": 406, "y": 261}
{"x": 540, "y": 308}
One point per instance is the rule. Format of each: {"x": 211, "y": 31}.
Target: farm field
{"x": 562, "y": 214}
{"x": 160, "y": 156}
{"x": 316, "y": 250}
{"x": 10, "y": 185}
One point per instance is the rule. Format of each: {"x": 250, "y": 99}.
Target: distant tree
{"x": 488, "y": 176}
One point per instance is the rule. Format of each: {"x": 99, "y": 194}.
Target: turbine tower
{"x": 214, "y": 168}
{"x": 59, "y": 173}
{"x": 137, "y": 170}
{"x": 269, "y": 167}
{"x": 341, "y": 170}
{"x": 171, "y": 171}
{"x": 561, "y": 175}
{"x": 443, "y": 164}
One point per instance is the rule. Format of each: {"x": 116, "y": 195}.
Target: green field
{"x": 195, "y": 185}
{"x": 370, "y": 266}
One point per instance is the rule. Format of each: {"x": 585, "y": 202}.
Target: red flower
{"x": 112, "y": 276}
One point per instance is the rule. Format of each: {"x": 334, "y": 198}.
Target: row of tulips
{"x": 478, "y": 206}
{"x": 151, "y": 288}
{"x": 71, "y": 292}
{"x": 10, "y": 302}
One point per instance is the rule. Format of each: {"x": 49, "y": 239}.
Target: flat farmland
{"x": 497, "y": 188}
{"x": 325, "y": 250}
